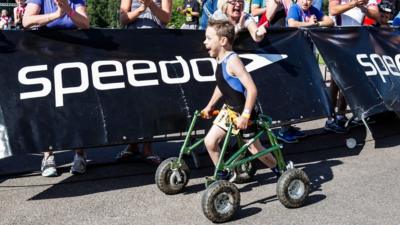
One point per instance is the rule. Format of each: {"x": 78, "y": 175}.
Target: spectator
{"x": 5, "y": 20}
{"x": 137, "y": 14}
{"x": 385, "y": 11}
{"x": 346, "y": 13}
{"x": 208, "y": 9}
{"x": 396, "y": 20}
{"x": 272, "y": 12}
{"x": 18, "y": 13}
{"x": 58, "y": 14}
{"x": 352, "y": 12}
{"x": 145, "y": 13}
{"x": 241, "y": 20}
{"x": 191, "y": 11}
{"x": 258, "y": 8}
{"x": 318, "y": 4}
{"x": 247, "y": 6}
{"x": 304, "y": 14}
{"x": 369, "y": 21}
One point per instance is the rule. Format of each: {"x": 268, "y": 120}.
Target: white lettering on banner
{"x": 23, "y": 79}
{"x": 96, "y": 74}
{"x": 133, "y": 72}
{"x": 384, "y": 65}
{"x": 258, "y": 61}
{"x": 196, "y": 73}
{"x": 59, "y": 90}
{"x": 180, "y": 80}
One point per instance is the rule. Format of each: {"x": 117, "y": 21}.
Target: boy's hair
{"x": 224, "y": 29}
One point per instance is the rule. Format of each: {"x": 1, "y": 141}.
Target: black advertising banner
{"x": 365, "y": 63}
{"x": 69, "y": 89}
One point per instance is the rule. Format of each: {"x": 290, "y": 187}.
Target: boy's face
{"x": 305, "y": 4}
{"x": 4, "y": 12}
{"x": 212, "y": 42}
{"x": 235, "y": 8}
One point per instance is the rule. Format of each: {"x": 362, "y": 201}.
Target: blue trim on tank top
{"x": 232, "y": 81}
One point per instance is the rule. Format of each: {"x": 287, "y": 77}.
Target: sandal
{"x": 154, "y": 160}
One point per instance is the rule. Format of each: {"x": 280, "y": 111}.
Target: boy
{"x": 304, "y": 14}
{"x": 235, "y": 84}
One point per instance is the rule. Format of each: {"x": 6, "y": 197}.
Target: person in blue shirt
{"x": 396, "y": 20}
{"x": 304, "y": 14}
{"x": 57, "y": 14}
{"x": 209, "y": 7}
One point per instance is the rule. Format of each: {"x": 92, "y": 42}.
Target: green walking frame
{"x": 222, "y": 198}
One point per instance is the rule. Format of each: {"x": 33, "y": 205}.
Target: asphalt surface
{"x": 349, "y": 186}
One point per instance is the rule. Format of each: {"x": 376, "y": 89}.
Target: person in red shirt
{"x": 5, "y": 20}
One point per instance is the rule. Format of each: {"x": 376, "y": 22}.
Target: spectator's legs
{"x": 48, "y": 167}
{"x": 79, "y": 163}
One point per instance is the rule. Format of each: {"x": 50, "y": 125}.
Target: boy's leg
{"x": 268, "y": 159}
{"x": 212, "y": 140}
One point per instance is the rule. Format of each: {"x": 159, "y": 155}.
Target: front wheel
{"x": 220, "y": 201}
{"x": 293, "y": 188}
{"x": 172, "y": 181}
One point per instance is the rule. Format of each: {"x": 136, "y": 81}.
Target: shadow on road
{"x": 312, "y": 154}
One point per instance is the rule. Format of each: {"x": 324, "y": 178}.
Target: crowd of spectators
{"x": 268, "y": 13}
{"x": 251, "y": 15}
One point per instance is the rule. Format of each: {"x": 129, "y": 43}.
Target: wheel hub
{"x": 223, "y": 203}
{"x": 177, "y": 178}
{"x": 296, "y": 189}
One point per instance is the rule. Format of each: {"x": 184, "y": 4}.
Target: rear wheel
{"x": 244, "y": 173}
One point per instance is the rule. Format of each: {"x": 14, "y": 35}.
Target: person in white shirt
{"x": 352, "y": 12}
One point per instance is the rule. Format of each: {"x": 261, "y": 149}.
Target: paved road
{"x": 358, "y": 186}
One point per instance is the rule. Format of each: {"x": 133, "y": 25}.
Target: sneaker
{"x": 223, "y": 175}
{"x": 48, "y": 167}
{"x": 296, "y": 133}
{"x": 335, "y": 126}
{"x": 276, "y": 171}
{"x": 342, "y": 121}
{"x": 79, "y": 165}
{"x": 286, "y": 137}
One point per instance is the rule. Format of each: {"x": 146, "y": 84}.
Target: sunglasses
{"x": 233, "y": 2}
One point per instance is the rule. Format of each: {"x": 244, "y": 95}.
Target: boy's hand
{"x": 206, "y": 112}
{"x": 242, "y": 122}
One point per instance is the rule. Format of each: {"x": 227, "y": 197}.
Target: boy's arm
{"x": 236, "y": 68}
{"x": 210, "y": 106}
